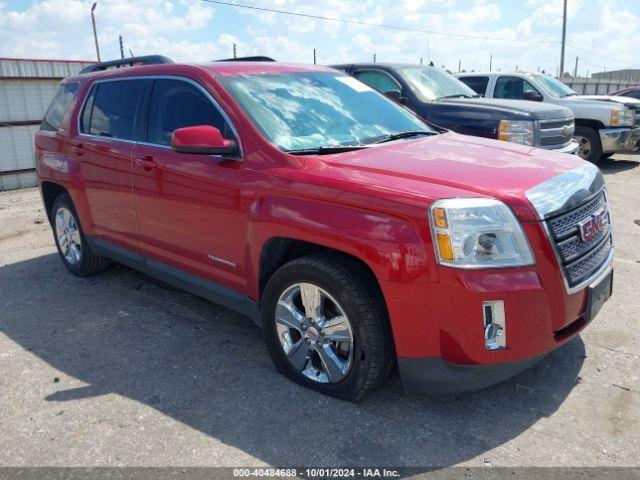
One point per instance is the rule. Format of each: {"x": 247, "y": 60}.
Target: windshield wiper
{"x": 569, "y": 95}
{"x": 407, "y": 134}
{"x": 326, "y": 150}
{"x": 457, "y": 95}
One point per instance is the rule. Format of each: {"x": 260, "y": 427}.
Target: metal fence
{"x": 597, "y": 86}
{"x": 26, "y": 88}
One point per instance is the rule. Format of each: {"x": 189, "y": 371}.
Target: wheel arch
{"x": 588, "y": 122}
{"x": 50, "y": 191}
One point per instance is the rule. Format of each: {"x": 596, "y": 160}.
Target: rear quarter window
{"x": 477, "y": 84}
{"x": 59, "y": 105}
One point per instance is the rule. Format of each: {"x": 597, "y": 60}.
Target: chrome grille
{"x": 567, "y": 223}
{"x": 551, "y": 133}
{"x": 581, "y": 259}
{"x": 585, "y": 267}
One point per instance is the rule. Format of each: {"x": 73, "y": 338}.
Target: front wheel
{"x": 325, "y": 328}
{"x": 589, "y": 147}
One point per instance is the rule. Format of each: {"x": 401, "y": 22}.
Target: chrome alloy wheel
{"x": 68, "y": 235}
{"x": 314, "y": 333}
{"x": 584, "y": 147}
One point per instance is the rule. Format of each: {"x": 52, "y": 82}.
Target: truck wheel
{"x": 326, "y": 327}
{"x": 71, "y": 242}
{"x": 589, "y": 144}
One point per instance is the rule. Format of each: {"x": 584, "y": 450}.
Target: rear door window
{"x": 512, "y": 87}
{"x": 110, "y": 109}
{"x": 177, "y": 104}
{"x": 59, "y": 106}
{"x": 378, "y": 80}
{"x": 477, "y": 84}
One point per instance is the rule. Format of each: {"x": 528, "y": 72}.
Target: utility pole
{"x": 95, "y": 35}
{"x": 420, "y": 60}
{"x": 235, "y": 51}
{"x": 314, "y": 56}
{"x": 575, "y": 69}
{"x": 374, "y": 58}
{"x": 459, "y": 65}
{"x": 564, "y": 38}
{"x": 490, "y": 62}
{"x": 121, "y": 47}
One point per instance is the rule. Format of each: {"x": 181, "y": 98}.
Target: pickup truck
{"x": 359, "y": 238}
{"x": 439, "y": 98}
{"x": 605, "y": 124}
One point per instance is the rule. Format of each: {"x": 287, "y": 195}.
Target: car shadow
{"x": 120, "y": 332}
{"x": 609, "y": 166}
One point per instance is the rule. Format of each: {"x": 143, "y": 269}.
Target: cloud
{"x": 195, "y": 30}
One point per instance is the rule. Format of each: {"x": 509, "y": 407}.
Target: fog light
{"x": 495, "y": 333}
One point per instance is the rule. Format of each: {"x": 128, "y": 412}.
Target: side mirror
{"x": 203, "y": 139}
{"x": 532, "y": 96}
{"x": 396, "y": 96}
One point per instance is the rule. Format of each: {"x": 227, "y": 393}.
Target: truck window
{"x": 378, "y": 80}
{"x": 512, "y": 87}
{"x": 59, "y": 106}
{"x": 110, "y": 109}
{"x": 477, "y": 84}
{"x": 176, "y": 104}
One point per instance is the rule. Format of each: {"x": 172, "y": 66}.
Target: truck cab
{"x": 605, "y": 124}
{"x": 439, "y": 98}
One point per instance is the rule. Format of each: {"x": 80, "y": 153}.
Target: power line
{"x": 376, "y": 25}
{"x": 622, "y": 62}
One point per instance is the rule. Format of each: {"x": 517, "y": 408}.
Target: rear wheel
{"x": 70, "y": 240}
{"x": 325, "y": 328}
{"x": 589, "y": 147}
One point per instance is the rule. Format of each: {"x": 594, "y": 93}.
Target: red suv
{"x": 356, "y": 235}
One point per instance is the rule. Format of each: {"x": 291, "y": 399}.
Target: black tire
{"x": 350, "y": 285}
{"x": 593, "y": 141}
{"x": 88, "y": 263}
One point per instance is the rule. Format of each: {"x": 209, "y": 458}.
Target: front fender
{"x": 393, "y": 247}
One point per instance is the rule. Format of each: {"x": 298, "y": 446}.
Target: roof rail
{"x": 127, "y": 62}
{"x": 257, "y": 58}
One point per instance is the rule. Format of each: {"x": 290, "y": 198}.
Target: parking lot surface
{"x": 118, "y": 369}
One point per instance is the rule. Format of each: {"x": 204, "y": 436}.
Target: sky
{"x": 524, "y": 34}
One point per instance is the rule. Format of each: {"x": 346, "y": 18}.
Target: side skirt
{"x": 199, "y": 286}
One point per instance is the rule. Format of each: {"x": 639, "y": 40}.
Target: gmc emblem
{"x": 590, "y": 227}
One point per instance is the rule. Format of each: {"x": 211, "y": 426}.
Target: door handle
{"x": 78, "y": 149}
{"x": 147, "y": 163}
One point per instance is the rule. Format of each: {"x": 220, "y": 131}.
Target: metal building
{"x": 26, "y": 88}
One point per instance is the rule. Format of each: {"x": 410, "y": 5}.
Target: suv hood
{"x": 452, "y": 165}
{"x": 530, "y": 110}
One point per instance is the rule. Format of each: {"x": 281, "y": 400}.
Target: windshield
{"x": 435, "y": 84}
{"x": 554, "y": 87}
{"x": 309, "y": 110}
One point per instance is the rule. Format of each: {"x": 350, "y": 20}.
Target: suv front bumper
{"x": 435, "y": 376}
{"x": 620, "y": 140}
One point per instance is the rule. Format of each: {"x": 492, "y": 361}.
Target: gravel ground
{"x": 120, "y": 370}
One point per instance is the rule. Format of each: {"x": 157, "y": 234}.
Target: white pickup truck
{"x": 604, "y": 124}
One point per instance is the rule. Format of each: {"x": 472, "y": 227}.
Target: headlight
{"x": 517, "y": 131}
{"x": 478, "y": 233}
{"x": 622, "y": 117}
